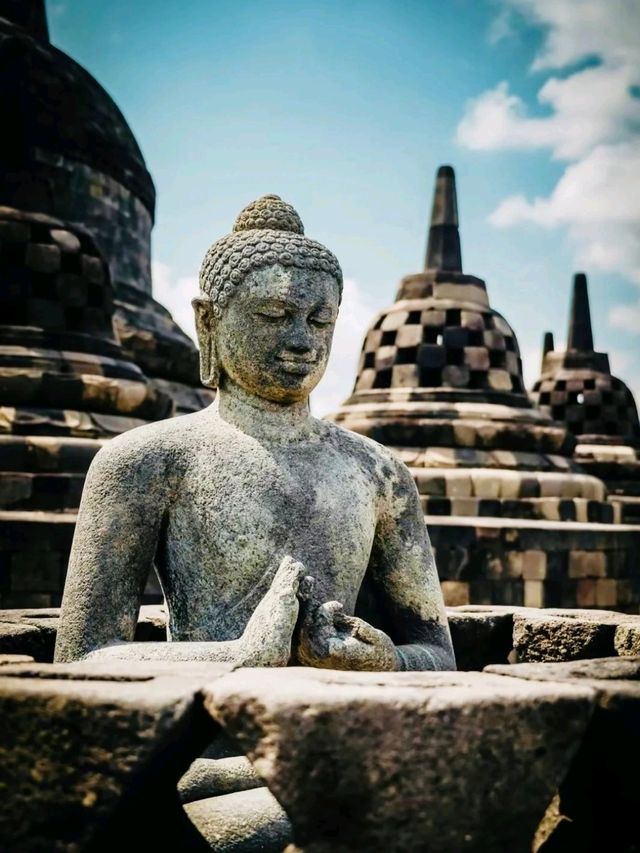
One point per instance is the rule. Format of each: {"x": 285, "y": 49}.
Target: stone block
{"x": 433, "y": 318}
{"x": 499, "y": 380}
{"x": 405, "y": 376}
{"x": 118, "y": 738}
{"x": 456, "y": 376}
{"x": 549, "y": 508}
{"x": 627, "y": 639}
{"x": 394, "y": 320}
{"x": 476, "y": 358}
{"x": 606, "y": 592}
{"x": 566, "y": 635}
{"x": 587, "y": 564}
{"x": 382, "y": 761}
{"x": 455, "y": 593}
{"x": 366, "y": 379}
{"x": 597, "y": 805}
{"x": 409, "y": 336}
{"x": 43, "y": 258}
{"x": 533, "y": 593}
{"x": 534, "y": 567}
{"x": 458, "y": 484}
{"x": 66, "y": 240}
{"x": 485, "y": 484}
{"x": 514, "y": 564}
{"x": 464, "y": 506}
{"x": 509, "y": 484}
{"x": 472, "y": 320}
{"x": 464, "y": 434}
{"x": 586, "y": 592}
{"x": 385, "y": 357}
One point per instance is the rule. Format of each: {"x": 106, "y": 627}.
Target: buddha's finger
{"x": 306, "y": 587}
{"x": 331, "y": 613}
{"x": 289, "y": 574}
{"x": 365, "y": 632}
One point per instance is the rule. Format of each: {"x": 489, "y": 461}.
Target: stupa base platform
{"x": 536, "y": 563}
{"x": 34, "y": 552}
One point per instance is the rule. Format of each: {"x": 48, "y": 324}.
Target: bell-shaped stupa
{"x": 68, "y": 152}
{"x": 510, "y": 511}
{"x": 66, "y": 385}
{"x": 85, "y": 351}
{"x": 576, "y": 388}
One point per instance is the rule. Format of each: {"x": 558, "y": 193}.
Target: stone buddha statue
{"x": 270, "y": 530}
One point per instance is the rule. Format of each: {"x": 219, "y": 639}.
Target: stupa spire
{"x": 580, "y": 336}
{"x": 443, "y": 247}
{"x": 31, "y": 15}
{"x": 547, "y": 347}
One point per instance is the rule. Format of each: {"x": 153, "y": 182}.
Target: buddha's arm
{"x": 404, "y": 576}
{"x": 113, "y": 548}
{"x": 125, "y": 499}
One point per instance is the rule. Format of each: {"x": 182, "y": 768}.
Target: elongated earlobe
{"x": 205, "y": 328}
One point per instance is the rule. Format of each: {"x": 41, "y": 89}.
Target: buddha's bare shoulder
{"x": 378, "y": 459}
{"x": 153, "y": 449}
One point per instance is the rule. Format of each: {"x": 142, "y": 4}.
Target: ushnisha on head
{"x": 268, "y": 303}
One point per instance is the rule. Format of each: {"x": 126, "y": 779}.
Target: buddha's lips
{"x": 301, "y": 366}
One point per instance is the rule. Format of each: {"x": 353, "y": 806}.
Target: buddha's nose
{"x": 299, "y": 339}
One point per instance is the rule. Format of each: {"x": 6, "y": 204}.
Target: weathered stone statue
{"x": 264, "y": 523}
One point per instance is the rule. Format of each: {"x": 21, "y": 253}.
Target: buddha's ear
{"x": 206, "y": 329}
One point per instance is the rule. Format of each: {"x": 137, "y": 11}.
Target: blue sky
{"x": 346, "y": 109}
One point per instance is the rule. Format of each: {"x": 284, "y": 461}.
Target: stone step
{"x": 244, "y": 822}
{"x": 209, "y": 778}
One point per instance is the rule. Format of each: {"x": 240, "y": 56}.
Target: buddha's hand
{"x": 267, "y": 638}
{"x": 330, "y": 639}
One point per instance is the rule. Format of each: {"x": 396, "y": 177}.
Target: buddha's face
{"x": 274, "y": 336}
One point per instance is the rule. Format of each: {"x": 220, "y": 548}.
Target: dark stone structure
{"x": 66, "y": 385}
{"x": 68, "y": 152}
{"x": 513, "y": 517}
{"x": 553, "y": 768}
{"x": 576, "y": 387}
{"x": 85, "y": 351}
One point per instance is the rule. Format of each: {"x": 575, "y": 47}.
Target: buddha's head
{"x": 268, "y": 304}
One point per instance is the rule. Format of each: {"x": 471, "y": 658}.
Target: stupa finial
{"x": 443, "y": 248}
{"x": 547, "y": 346}
{"x": 580, "y": 336}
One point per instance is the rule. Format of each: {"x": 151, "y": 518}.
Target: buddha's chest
{"x": 237, "y": 514}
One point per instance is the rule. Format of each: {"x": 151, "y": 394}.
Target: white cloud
{"x": 576, "y": 29}
{"x": 626, "y": 317}
{"x": 175, "y": 293}
{"x": 355, "y": 315}
{"x": 595, "y": 200}
{"x": 356, "y": 310}
{"x": 588, "y": 108}
{"x": 591, "y": 120}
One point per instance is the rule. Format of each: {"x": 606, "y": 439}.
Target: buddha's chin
{"x": 295, "y": 390}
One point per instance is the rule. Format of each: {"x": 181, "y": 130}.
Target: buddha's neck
{"x": 264, "y": 420}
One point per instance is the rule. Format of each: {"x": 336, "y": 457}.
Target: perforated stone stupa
{"x": 68, "y": 152}
{"x": 513, "y": 517}
{"x": 85, "y": 351}
{"x": 66, "y": 385}
{"x": 576, "y": 387}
